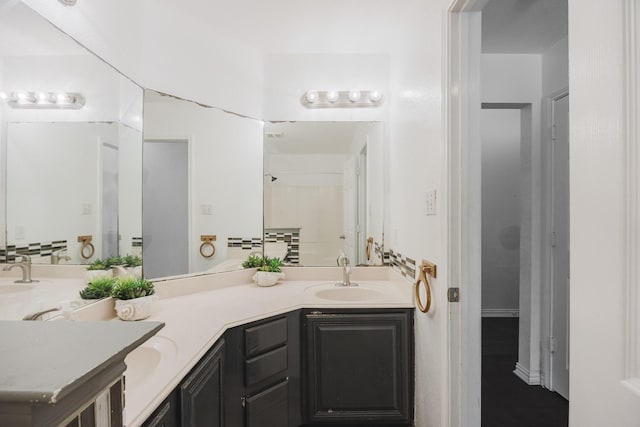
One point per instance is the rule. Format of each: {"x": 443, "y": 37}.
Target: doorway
{"x": 165, "y": 208}
{"x": 470, "y": 62}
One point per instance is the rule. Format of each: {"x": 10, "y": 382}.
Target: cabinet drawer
{"x": 267, "y": 336}
{"x": 269, "y": 408}
{"x": 265, "y": 365}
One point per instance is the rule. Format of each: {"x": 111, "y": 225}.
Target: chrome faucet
{"x": 59, "y": 255}
{"x": 343, "y": 261}
{"x": 25, "y": 266}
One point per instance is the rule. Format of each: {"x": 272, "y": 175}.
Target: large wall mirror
{"x": 202, "y": 187}
{"x": 71, "y": 145}
{"x": 323, "y": 192}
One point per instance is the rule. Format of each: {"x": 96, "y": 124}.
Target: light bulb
{"x": 332, "y": 96}
{"x": 354, "y": 95}
{"x": 21, "y": 95}
{"x": 375, "y": 96}
{"x": 42, "y": 97}
{"x": 311, "y": 96}
{"x": 3, "y": 95}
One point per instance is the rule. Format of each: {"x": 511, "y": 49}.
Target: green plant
{"x": 130, "y": 288}
{"x": 98, "y": 288}
{"x": 131, "y": 261}
{"x": 263, "y": 263}
{"x": 98, "y": 264}
{"x": 114, "y": 260}
{"x": 254, "y": 261}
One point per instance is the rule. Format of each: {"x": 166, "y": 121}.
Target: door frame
{"x": 547, "y": 225}
{"x": 462, "y": 216}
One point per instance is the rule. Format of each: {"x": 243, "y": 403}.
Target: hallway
{"x": 506, "y": 400}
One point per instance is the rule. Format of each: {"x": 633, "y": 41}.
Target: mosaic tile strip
{"x": 289, "y": 235}
{"x": 244, "y": 242}
{"x": 136, "y": 242}
{"x": 404, "y": 265}
{"x": 384, "y": 256}
{"x": 42, "y": 249}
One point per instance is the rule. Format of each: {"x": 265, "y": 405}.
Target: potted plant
{"x": 134, "y": 297}
{"x": 268, "y": 272}
{"x": 98, "y": 288}
{"x": 97, "y": 269}
{"x": 133, "y": 265}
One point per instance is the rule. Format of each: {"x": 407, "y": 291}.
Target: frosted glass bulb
{"x": 3, "y": 95}
{"x": 354, "y": 95}
{"x": 311, "y": 96}
{"x": 332, "y": 96}
{"x": 375, "y": 95}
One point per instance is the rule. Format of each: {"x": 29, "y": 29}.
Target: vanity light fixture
{"x": 342, "y": 99}
{"x": 43, "y": 100}
{"x": 68, "y": 2}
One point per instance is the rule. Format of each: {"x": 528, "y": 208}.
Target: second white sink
{"x": 348, "y": 293}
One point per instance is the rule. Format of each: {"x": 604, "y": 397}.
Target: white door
{"x": 605, "y": 216}
{"x": 165, "y": 211}
{"x": 560, "y": 248}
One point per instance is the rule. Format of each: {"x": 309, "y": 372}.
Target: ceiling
{"x": 523, "y": 26}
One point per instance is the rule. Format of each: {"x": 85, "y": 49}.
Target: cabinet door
{"x": 269, "y": 408}
{"x": 358, "y": 367}
{"x": 167, "y": 414}
{"x": 201, "y": 391}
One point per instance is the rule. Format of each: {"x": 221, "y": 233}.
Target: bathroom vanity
{"x": 304, "y": 367}
{"x": 304, "y": 352}
{"x": 62, "y": 373}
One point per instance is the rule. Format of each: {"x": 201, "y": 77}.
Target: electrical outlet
{"x": 430, "y": 202}
{"x": 19, "y": 232}
{"x": 86, "y": 209}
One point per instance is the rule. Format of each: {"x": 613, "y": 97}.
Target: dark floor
{"x": 506, "y": 400}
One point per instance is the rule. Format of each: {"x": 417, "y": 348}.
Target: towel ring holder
{"x": 86, "y": 245}
{"x": 207, "y": 248}
{"x": 426, "y": 268}
{"x": 369, "y": 245}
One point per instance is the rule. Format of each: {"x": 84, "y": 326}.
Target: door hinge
{"x": 553, "y": 239}
{"x": 453, "y": 294}
{"x": 552, "y": 345}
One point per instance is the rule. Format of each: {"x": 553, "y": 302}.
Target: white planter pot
{"x": 91, "y": 275}
{"x": 132, "y": 272}
{"x": 135, "y": 309}
{"x": 267, "y": 278}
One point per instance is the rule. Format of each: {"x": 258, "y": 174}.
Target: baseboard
{"x": 529, "y": 377}
{"x": 500, "y": 312}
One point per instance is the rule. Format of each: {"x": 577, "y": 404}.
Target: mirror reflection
{"x": 323, "y": 187}
{"x": 202, "y": 187}
{"x": 72, "y": 139}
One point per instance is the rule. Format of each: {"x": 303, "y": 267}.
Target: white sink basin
{"x": 348, "y": 293}
{"x": 144, "y": 360}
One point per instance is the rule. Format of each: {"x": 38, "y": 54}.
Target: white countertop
{"x": 196, "y": 320}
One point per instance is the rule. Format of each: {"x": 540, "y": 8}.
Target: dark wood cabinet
{"x": 358, "y": 367}
{"x": 332, "y": 367}
{"x": 167, "y": 414}
{"x": 201, "y": 392}
{"x": 262, "y": 375}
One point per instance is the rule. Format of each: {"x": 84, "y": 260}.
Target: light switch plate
{"x": 430, "y": 202}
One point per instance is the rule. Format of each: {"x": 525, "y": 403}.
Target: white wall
{"x": 54, "y": 208}
{"x": 130, "y": 188}
{"x": 555, "y": 67}
{"x": 500, "y": 210}
{"x": 225, "y": 164}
